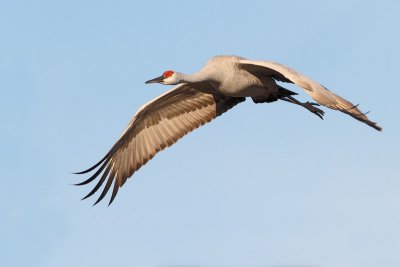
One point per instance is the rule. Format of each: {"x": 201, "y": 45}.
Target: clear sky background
{"x": 264, "y": 185}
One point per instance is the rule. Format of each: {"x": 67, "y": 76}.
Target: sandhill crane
{"x": 222, "y": 83}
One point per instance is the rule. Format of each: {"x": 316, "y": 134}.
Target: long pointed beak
{"x": 156, "y": 80}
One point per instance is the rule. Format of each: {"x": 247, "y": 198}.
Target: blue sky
{"x": 264, "y": 185}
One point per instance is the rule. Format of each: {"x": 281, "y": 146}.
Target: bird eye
{"x": 168, "y": 73}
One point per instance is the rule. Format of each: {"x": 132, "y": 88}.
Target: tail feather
{"x": 282, "y": 92}
{"x": 285, "y": 92}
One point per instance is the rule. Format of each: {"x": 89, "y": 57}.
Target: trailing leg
{"x": 311, "y": 106}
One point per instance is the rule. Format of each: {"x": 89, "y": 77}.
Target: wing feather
{"x": 318, "y": 92}
{"x": 108, "y": 185}
{"x": 155, "y": 126}
{"x": 99, "y": 183}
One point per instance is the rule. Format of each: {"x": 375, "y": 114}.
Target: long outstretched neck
{"x": 194, "y": 78}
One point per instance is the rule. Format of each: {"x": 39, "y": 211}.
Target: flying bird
{"x": 221, "y": 84}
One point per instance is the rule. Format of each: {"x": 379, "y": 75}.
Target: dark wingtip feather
{"x": 94, "y": 166}
{"x": 86, "y": 181}
{"x": 94, "y": 176}
{"x": 114, "y": 192}
{"x": 106, "y": 187}
{"x": 376, "y": 127}
{"x": 101, "y": 181}
{"x": 372, "y": 124}
{"x": 358, "y": 116}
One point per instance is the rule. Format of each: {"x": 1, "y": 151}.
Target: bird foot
{"x": 311, "y": 106}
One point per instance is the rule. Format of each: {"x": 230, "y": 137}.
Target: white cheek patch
{"x": 171, "y": 80}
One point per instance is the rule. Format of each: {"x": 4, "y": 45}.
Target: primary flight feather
{"x": 222, "y": 83}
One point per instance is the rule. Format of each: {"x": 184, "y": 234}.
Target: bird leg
{"x": 308, "y": 105}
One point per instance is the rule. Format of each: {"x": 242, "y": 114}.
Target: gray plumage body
{"x": 228, "y": 78}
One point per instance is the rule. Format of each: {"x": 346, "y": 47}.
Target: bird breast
{"x": 242, "y": 85}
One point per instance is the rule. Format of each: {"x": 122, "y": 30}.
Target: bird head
{"x": 168, "y": 77}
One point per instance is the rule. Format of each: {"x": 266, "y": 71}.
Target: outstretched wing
{"x": 155, "y": 126}
{"x": 318, "y": 92}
